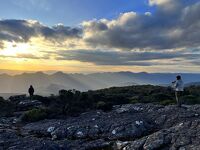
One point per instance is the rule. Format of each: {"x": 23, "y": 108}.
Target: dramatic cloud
{"x": 161, "y": 30}
{"x": 106, "y": 57}
{"x": 23, "y": 30}
{"x": 60, "y": 32}
{"x": 170, "y": 33}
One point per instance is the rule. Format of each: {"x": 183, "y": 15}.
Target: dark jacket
{"x": 31, "y": 90}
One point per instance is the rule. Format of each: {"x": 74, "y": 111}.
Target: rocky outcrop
{"x": 126, "y": 127}
{"x": 182, "y": 136}
{"x": 17, "y": 98}
{"x": 28, "y": 104}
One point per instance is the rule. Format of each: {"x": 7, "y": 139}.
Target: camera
{"x": 174, "y": 82}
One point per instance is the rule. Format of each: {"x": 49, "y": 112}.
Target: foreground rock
{"x": 182, "y": 136}
{"x": 28, "y": 104}
{"x": 126, "y": 127}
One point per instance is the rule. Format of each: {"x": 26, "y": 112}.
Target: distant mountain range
{"x": 193, "y": 83}
{"x": 52, "y": 83}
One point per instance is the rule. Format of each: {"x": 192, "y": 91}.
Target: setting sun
{"x": 12, "y": 49}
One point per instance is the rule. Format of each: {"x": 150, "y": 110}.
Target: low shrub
{"x": 35, "y": 115}
{"x": 134, "y": 100}
{"x": 104, "y": 106}
{"x": 167, "y": 102}
{"x": 72, "y": 102}
{"x": 190, "y": 99}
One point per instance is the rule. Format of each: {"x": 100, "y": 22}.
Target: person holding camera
{"x": 179, "y": 88}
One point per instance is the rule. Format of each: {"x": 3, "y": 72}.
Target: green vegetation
{"x": 72, "y": 102}
{"x": 35, "y": 115}
{"x": 103, "y": 106}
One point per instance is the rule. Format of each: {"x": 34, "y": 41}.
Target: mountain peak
{"x": 4, "y": 75}
{"x": 40, "y": 73}
{"x": 59, "y": 73}
{"x": 143, "y": 72}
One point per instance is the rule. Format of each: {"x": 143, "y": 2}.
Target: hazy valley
{"x": 46, "y": 84}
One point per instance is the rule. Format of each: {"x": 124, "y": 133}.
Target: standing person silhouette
{"x": 179, "y": 88}
{"x": 31, "y": 91}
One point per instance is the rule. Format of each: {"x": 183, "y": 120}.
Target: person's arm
{"x": 173, "y": 84}
{"x": 176, "y": 84}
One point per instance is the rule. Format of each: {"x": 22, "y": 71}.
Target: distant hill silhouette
{"x": 50, "y": 84}
{"x": 193, "y": 83}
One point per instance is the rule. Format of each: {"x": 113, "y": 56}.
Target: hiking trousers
{"x": 178, "y": 95}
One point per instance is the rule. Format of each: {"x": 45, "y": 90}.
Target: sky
{"x": 87, "y": 36}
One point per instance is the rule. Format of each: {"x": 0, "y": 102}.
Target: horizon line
{"x": 51, "y": 72}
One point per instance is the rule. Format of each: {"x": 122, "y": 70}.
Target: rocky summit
{"x": 125, "y": 127}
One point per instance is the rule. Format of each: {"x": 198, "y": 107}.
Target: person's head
{"x": 178, "y": 77}
{"x": 31, "y": 86}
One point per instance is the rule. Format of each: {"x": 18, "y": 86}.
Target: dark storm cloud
{"x": 23, "y": 30}
{"x": 173, "y": 27}
{"x": 100, "y": 57}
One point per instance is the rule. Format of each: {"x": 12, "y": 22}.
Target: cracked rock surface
{"x": 126, "y": 127}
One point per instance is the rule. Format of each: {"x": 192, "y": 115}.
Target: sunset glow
{"x": 12, "y": 49}
{"x": 143, "y": 36}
